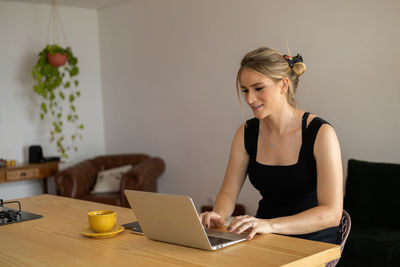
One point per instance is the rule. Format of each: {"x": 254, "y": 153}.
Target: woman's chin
{"x": 260, "y": 115}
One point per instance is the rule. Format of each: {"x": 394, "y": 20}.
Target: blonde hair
{"x": 272, "y": 64}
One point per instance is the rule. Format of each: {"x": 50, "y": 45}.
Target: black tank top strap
{"x": 304, "y": 124}
{"x": 311, "y": 132}
{"x": 251, "y": 136}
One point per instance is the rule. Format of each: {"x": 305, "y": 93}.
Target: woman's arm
{"x": 329, "y": 192}
{"x": 235, "y": 176}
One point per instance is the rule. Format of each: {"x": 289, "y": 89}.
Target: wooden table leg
{"x": 44, "y": 185}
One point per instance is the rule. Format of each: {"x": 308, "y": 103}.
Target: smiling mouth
{"x": 255, "y": 108}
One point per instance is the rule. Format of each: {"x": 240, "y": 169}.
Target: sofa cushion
{"x": 371, "y": 246}
{"x": 108, "y": 181}
{"x": 372, "y": 193}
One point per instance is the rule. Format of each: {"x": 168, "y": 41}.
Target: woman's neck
{"x": 281, "y": 121}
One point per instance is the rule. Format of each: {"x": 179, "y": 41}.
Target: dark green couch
{"x": 373, "y": 202}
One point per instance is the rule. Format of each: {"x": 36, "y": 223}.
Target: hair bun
{"x": 299, "y": 68}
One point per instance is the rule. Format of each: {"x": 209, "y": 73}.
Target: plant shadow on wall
{"x": 55, "y": 74}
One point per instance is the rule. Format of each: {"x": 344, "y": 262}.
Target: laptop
{"x": 174, "y": 219}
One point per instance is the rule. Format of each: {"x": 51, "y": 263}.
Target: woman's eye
{"x": 244, "y": 91}
{"x": 259, "y": 88}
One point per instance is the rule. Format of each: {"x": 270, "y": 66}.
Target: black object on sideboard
{"x": 36, "y": 155}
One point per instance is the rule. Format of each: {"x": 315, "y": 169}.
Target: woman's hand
{"x": 211, "y": 219}
{"x": 251, "y": 224}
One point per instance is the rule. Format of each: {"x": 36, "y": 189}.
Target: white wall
{"x": 168, "y": 70}
{"x": 23, "y": 30}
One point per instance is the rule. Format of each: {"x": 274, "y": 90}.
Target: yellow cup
{"x": 102, "y": 221}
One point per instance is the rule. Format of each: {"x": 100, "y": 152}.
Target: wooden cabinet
{"x": 16, "y": 175}
{"x": 30, "y": 171}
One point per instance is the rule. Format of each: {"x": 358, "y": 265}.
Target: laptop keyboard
{"x": 217, "y": 240}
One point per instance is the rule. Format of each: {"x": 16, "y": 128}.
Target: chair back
{"x": 344, "y": 228}
{"x": 344, "y": 231}
{"x": 370, "y": 186}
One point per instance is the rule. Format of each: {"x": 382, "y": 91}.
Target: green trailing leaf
{"x": 55, "y": 49}
{"x": 81, "y": 126}
{"x": 74, "y": 71}
{"x": 73, "y": 61}
{"x": 43, "y": 107}
{"x": 50, "y": 83}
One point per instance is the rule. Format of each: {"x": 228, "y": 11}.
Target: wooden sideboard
{"x": 29, "y": 171}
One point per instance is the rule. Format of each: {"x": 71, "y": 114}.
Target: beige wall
{"x": 23, "y": 29}
{"x": 168, "y": 70}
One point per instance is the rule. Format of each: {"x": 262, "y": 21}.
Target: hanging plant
{"x": 55, "y": 76}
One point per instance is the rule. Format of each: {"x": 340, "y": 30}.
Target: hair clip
{"x": 293, "y": 60}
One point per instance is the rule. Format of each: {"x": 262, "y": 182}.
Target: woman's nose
{"x": 250, "y": 97}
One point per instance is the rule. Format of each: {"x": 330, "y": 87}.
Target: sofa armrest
{"x": 142, "y": 173}
{"x": 142, "y": 176}
{"x": 76, "y": 180}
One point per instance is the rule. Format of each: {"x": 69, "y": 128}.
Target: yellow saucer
{"x": 115, "y": 230}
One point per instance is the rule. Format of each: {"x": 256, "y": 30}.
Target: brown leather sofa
{"x": 78, "y": 180}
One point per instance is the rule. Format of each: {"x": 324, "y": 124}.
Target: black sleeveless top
{"x": 287, "y": 190}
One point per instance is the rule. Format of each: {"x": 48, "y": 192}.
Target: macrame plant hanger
{"x": 55, "y": 74}
{"x": 55, "y": 27}
{"x": 288, "y": 50}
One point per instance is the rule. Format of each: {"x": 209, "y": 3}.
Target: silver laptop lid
{"x": 168, "y": 218}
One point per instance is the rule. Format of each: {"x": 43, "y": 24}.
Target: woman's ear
{"x": 284, "y": 84}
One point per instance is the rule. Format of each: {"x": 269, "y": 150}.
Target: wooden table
{"x": 30, "y": 171}
{"x": 55, "y": 240}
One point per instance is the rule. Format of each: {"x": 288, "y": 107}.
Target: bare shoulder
{"x": 238, "y": 150}
{"x": 326, "y": 138}
{"x": 326, "y": 135}
{"x": 239, "y": 135}
{"x": 324, "y": 126}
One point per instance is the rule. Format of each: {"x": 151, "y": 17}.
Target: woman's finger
{"x": 246, "y": 225}
{"x": 204, "y": 218}
{"x": 211, "y": 219}
{"x": 252, "y": 234}
{"x": 235, "y": 221}
{"x": 220, "y": 221}
{"x": 241, "y": 224}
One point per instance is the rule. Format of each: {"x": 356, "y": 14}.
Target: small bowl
{"x": 102, "y": 221}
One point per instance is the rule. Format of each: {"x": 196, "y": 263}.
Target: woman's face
{"x": 262, "y": 94}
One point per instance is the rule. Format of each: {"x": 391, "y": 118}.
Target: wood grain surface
{"x": 55, "y": 240}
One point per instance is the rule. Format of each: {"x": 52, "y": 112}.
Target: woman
{"x": 292, "y": 157}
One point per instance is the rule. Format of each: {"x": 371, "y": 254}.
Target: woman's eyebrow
{"x": 253, "y": 85}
